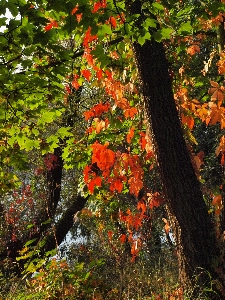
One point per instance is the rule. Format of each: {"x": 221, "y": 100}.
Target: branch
{"x": 57, "y": 235}
{"x": 80, "y": 53}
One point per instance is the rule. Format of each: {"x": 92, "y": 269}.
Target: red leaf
{"x": 86, "y": 74}
{"x": 123, "y": 238}
{"x": 104, "y": 158}
{"x": 155, "y": 200}
{"x": 142, "y": 141}
{"x": 97, "y": 181}
{"x": 48, "y": 27}
{"x": 130, "y": 135}
{"x": 99, "y": 74}
{"x": 110, "y": 234}
{"x": 116, "y": 185}
{"x": 79, "y": 17}
{"x": 98, "y": 5}
{"x": 112, "y": 21}
{"x": 88, "y": 38}
{"x": 86, "y": 171}
{"x": 130, "y": 113}
{"x": 75, "y": 84}
{"x": 167, "y": 226}
{"x": 135, "y": 185}
{"x": 141, "y": 205}
{"x": 96, "y": 111}
{"x": 74, "y": 10}
{"x": 68, "y": 90}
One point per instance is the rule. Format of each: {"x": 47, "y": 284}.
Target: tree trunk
{"x": 195, "y": 235}
{"x": 193, "y": 229}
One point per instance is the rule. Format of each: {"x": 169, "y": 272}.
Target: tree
{"x": 170, "y": 41}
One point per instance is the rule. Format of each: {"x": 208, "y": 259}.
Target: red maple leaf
{"x": 123, "y": 238}
{"x": 99, "y": 74}
{"x": 48, "y": 27}
{"x": 130, "y": 135}
{"x": 88, "y": 38}
{"x": 86, "y": 74}
{"x": 97, "y": 181}
{"x": 155, "y": 200}
{"x": 98, "y": 5}
{"x": 96, "y": 111}
{"x": 79, "y": 17}
{"x": 116, "y": 185}
{"x": 74, "y": 10}
{"x": 112, "y": 21}
{"x": 130, "y": 112}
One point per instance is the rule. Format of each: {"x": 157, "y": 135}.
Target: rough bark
{"x": 197, "y": 247}
{"x": 194, "y": 231}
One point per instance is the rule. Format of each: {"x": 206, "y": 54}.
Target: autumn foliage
{"x": 69, "y": 83}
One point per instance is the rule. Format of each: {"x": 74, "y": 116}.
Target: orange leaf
{"x": 97, "y": 181}
{"x": 188, "y": 120}
{"x": 74, "y": 10}
{"x": 86, "y": 74}
{"x": 48, "y": 27}
{"x": 141, "y": 205}
{"x": 193, "y": 49}
{"x": 142, "y": 141}
{"x": 99, "y": 74}
{"x": 122, "y": 103}
{"x": 130, "y": 135}
{"x": 217, "y": 200}
{"x": 130, "y": 113}
{"x": 123, "y": 238}
{"x": 167, "y": 226}
{"x": 155, "y": 200}
{"x": 112, "y": 21}
{"x": 135, "y": 185}
{"x": 98, "y": 5}
{"x": 79, "y": 17}
{"x": 116, "y": 185}
{"x": 214, "y": 84}
{"x": 75, "y": 83}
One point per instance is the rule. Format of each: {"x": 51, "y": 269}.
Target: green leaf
{"x": 185, "y": 28}
{"x": 149, "y": 23}
{"x": 103, "y": 30}
{"x": 30, "y": 144}
{"x": 30, "y": 241}
{"x": 158, "y": 6}
{"x": 142, "y": 39}
{"x": 166, "y": 33}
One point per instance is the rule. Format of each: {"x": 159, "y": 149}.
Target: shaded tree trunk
{"x": 193, "y": 229}
{"x": 195, "y": 235}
